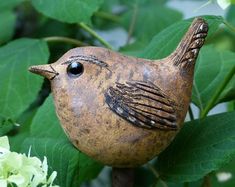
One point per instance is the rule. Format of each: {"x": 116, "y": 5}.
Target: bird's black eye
{"x": 75, "y": 69}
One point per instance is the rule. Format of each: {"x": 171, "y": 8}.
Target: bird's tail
{"x": 187, "y": 51}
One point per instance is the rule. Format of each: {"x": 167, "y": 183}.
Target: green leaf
{"x": 228, "y": 93}
{"x": 19, "y": 88}
{"x": 211, "y": 69}
{"x": 49, "y": 27}
{"x": 23, "y": 132}
{"x": 7, "y": 22}
{"x": 228, "y": 171}
{"x": 166, "y": 41}
{"x": 69, "y": 11}
{"x": 200, "y": 147}
{"x": 73, "y": 167}
{"x": 155, "y": 20}
{"x": 133, "y": 49}
{"x": 9, "y": 4}
{"x": 230, "y": 17}
{"x": 46, "y": 123}
{"x": 89, "y": 169}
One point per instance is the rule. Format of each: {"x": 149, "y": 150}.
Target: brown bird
{"x": 121, "y": 110}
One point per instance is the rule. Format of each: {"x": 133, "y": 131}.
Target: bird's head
{"x": 77, "y": 65}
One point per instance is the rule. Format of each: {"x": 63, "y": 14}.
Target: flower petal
{"x": 52, "y": 177}
{"x": 4, "y": 143}
{"x": 17, "y": 179}
{"x": 3, "y": 183}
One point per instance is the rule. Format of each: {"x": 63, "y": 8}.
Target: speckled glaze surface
{"x": 94, "y": 127}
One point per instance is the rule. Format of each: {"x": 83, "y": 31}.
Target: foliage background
{"x": 39, "y": 32}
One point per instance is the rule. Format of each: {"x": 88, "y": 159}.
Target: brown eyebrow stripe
{"x": 91, "y": 58}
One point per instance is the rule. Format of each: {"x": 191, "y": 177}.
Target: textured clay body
{"x": 123, "y": 111}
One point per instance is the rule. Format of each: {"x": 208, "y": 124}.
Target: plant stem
{"x": 155, "y": 173}
{"x": 64, "y": 39}
{"x": 232, "y": 28}
{"x": 108, "y": 16}
{"x": 95, "y": 35}
{"x": 203, "y": 5}
{"x": 206, "y": 181}
{"x": 190, "y": 111}
{"x": 132, "y": 24}
{"x": 220, "y": 89}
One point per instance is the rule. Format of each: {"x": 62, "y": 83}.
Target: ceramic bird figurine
{"x": 121, "y": 110}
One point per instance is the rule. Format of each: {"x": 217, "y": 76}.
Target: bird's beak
{"x": 46, "y": 71}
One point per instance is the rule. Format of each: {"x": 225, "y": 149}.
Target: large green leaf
{"x": 228, "y": 93}
{"x": 49, "y": 140}
{"x": 23, "y": 132}
{"x": 69, "y": 11}
{"x": 19, "y": 87}
{"x": 224, "y": 176}
{"x": 89, "y": 169}
{"x": 211, "y": 69}
{"x": 9, "y": 4}
{"x": 133, "y": 49}
{"x": 166, "y": 41}
{"x": 200, "y": 147}
{"x": 46, "y": 123}
{"x": 7, "y": 22}
{"x": 154, "y": 17}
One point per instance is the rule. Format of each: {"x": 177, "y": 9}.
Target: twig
{"x": 206, "y": 181}
{"x": 132, "y": 24}
{"x": 65, "y": 40}
{"x": 203, "y": 5}
{"x": 108, "y": 16}
{"x": 95, "y": 35}
{"x": 220, "y": 89}
{"x": 155, "y": 173}
{"x": 232, "y": 28}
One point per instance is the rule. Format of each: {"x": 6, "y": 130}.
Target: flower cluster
{"x": 21, "y": 170}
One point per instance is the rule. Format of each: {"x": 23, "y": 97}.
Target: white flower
{"x": 22, "y": 170}
{"x": 224, "y": 176}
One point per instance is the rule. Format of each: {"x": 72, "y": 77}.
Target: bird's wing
{"x": 143, "y": 104}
